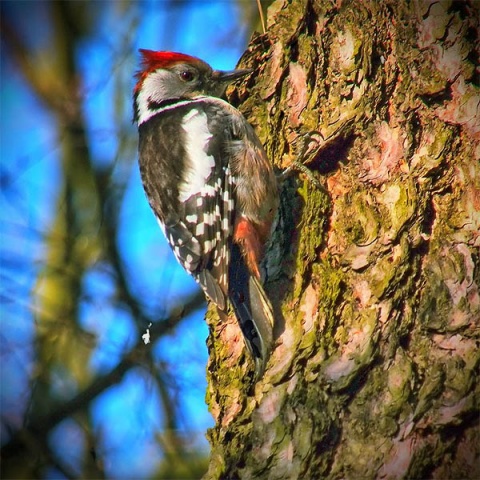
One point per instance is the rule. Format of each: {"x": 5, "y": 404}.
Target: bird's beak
{"x": 231, "y": 75}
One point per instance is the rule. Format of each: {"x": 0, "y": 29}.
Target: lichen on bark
{"x": 376, "y": 282}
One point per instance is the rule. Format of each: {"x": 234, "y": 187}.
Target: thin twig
{"x": 262, "y": 19}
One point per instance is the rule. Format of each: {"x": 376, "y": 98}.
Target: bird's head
{"x": 169, "y": 75}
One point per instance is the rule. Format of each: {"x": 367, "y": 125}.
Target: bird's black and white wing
{"x": 197, "y": 214}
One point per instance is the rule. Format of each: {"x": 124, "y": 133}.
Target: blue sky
{"x": 127, "y": 415}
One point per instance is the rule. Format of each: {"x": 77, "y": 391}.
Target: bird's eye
{"x": 187, "y": 76}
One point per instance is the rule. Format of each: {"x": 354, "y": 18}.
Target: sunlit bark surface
{"x": 374, "y": 273}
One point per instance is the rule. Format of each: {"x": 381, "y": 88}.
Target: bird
{"x": 210, "y": 185}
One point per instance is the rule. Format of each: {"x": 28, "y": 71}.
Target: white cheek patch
{"x": 199, "y": 165}
{"x": 152, "y": 91}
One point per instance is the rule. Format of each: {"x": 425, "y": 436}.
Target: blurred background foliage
{"x": 85, "y": 271}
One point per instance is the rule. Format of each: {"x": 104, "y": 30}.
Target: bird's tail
{"x": 252, "y": 309}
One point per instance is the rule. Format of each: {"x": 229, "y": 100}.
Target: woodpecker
{"x": 210, "y": 185}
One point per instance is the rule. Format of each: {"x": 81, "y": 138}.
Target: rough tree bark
{"x": 375, "y": 275}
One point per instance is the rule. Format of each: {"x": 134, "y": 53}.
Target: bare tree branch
{"x": 37, "y": 429}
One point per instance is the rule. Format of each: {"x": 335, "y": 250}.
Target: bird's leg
{"x": 298, "y": 164}
{"x": 300, "y": 167}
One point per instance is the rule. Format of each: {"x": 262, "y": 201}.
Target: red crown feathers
{"x": 152, "y": 60}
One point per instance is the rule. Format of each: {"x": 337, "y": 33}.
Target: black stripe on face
{"x": 153, "y": 105}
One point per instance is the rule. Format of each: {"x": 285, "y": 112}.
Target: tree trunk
{"x": 374, "y": 272}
